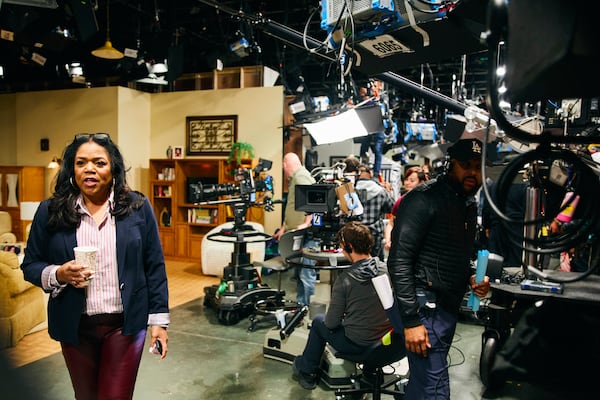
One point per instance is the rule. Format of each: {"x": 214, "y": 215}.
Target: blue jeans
{"x": 306, "y": 279}
{"x": 375, "y": 142}
{"x": 318, "y": 336}
{"x": 429, "y": 377}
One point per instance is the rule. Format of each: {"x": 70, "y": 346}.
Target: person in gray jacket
{"x": 355, "y": 319}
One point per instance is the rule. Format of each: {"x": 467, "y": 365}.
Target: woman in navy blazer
{"x": 99, "y": 317}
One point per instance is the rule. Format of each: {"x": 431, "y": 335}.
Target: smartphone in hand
{"x": 157, "y": 348}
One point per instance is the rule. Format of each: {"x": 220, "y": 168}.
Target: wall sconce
{"x": 55, "y": 163}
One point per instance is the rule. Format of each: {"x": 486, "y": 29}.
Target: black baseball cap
{"x": 465, "y": 149}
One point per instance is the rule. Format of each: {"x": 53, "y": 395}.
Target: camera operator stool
{"x": 372, "y": 377}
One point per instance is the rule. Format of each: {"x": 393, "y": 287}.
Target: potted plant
{"x": 240, "y": 151}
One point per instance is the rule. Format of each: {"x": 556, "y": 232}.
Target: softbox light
{"x": 338, "y": 128}
{"x": 349, "y": 124}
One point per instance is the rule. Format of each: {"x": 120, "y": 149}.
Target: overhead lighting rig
{"x": 156, "y": 74}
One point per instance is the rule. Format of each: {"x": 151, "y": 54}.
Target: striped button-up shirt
{"x": 102, "y": 295}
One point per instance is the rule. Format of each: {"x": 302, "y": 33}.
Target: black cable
{"x": 585, "y": 186}
{"x": 588, "y": 182}
{"x": 515, "y": 166}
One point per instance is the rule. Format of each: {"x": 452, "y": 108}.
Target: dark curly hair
{"x": 356, "y": 235}
{"x": 63, "y": 214}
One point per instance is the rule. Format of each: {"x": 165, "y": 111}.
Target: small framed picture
{"x": 178, "y": 152}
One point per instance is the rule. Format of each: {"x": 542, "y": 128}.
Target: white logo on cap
{"x": 475, "y": 147}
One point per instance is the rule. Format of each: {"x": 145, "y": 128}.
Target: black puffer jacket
{"x": 432, "y": 244}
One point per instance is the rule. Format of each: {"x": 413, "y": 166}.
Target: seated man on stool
{"x": 355, "y": 319}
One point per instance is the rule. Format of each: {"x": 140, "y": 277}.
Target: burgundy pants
{"x": 105, "y": 363}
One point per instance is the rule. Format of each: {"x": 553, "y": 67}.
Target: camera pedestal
{"x": 240, "y": 289}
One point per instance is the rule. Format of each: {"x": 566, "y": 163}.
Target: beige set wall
{"x": 142, "y": 124}
{"x": 260, "y": 119}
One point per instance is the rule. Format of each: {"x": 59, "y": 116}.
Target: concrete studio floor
{"x": 208, "y": 360}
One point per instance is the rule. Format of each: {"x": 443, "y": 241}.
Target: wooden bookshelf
{"x": 183, "y": 223}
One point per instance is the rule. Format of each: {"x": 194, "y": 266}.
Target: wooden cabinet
{"x": 18, "y": 184}
{"x": 183, "y": 223}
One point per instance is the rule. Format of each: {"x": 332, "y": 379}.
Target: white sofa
{"x": 217, "y": 255}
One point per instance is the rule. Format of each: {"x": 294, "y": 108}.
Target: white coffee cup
{"x": 86, "y": 257}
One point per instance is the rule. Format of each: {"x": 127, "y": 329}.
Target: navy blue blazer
{"x": 141, "y": 266}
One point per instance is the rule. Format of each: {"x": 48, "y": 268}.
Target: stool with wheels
{"x": 372, "y": 380}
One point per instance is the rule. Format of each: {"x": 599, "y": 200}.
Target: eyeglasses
{"x": 87, "y": 136}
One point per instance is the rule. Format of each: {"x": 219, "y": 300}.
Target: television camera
{"x": 332, "y": 201}
{"x": 248, "y": 184}
{"x": 240, "y": 288}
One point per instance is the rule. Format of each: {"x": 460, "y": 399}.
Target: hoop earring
{"x": 71, "y": 182}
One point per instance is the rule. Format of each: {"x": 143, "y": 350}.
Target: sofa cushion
{"x": 5, "y": 222}
{"x": 22, "y": 305}
{"x": 10, "y": 259}
{"x": 12, "y": 278}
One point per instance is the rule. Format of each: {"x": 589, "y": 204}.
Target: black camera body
{"x": 246, "y": 187}
{"x": 320, "y": 199}
{"x": 316, "y": 198}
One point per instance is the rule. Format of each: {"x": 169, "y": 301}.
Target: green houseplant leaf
{"x": 240, "y": 151}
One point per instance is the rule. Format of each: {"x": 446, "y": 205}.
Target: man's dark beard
{"x": 475, "y": 188}
{"x": 459, "y": 185}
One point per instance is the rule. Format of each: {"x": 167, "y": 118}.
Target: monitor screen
{"x": 318, "y": 198}
{"x": 420, "y": 131}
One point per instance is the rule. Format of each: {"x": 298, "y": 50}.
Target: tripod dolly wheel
{"x": 491, "y": 345}
{"x": 229, "y": 317}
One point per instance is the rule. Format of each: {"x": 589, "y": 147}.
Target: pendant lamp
{"x": 108, "y": 51}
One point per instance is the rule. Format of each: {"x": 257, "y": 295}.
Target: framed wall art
{"x": 210, "y": 135}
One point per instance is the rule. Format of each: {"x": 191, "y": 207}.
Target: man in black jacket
{"x": 430, "y": 266}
